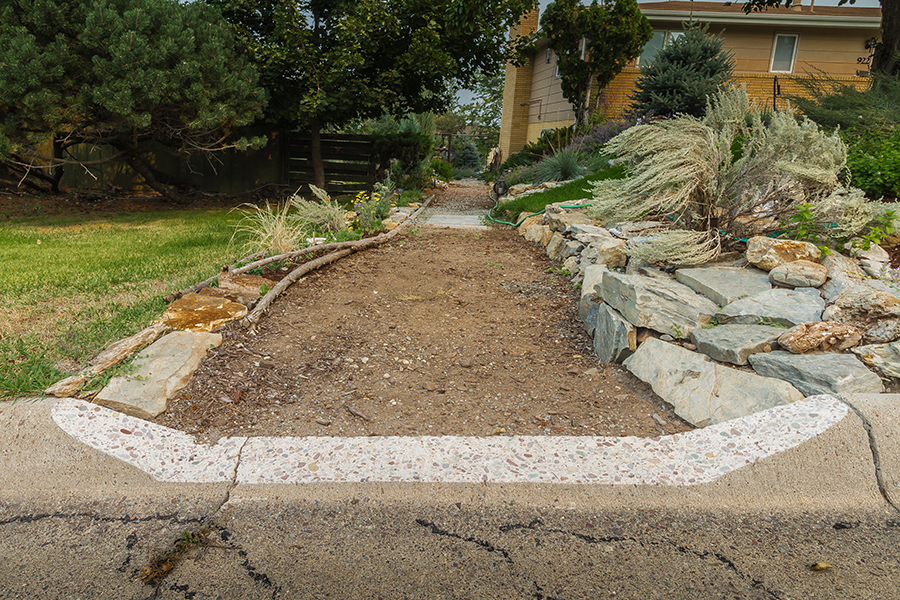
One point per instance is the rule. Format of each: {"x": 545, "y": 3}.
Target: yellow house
{"x": 770, "y": 49}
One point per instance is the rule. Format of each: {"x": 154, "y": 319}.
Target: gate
{"x": 348, "y": 161}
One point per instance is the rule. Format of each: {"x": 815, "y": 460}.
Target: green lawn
{"x": 516, "y": 209}
{"x": 70, "y": 286}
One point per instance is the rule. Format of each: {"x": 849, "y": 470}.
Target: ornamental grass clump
{"x": 728, "y": 176}
{"x": 563, "y": 165}
{"x": 273, "y": 229}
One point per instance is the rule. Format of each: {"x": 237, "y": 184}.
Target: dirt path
{"x": 440, "y": 332}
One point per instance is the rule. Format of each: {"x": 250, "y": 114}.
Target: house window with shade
{"x": 784, "y": 53}
{"x": 660, "y": 40}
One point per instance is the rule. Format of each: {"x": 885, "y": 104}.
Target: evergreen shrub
{"x": 680, "y": 78}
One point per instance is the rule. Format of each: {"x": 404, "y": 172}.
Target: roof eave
{"x": 805, "y": 20}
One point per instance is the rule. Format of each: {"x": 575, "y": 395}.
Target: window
{"x": 784, "y": 52}
{"x": 660, "y": 40}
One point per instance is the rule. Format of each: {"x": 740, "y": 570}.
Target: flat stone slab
{"x": 467, "y": 221}
{"x": 819, "y": 373}
{"x": 724, "y": 285}
{"x": 196, "y": 312}
{"x": 702, "y": 391}
{"x": 164, "y": 368}
{"x": 657, "y": 303}
{"x": 785, "y": 307}
{"x": 734, "y": 343}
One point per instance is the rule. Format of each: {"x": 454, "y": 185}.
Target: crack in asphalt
{"x": 537, "y": 525}
{"x": 173, "y": 518}
{"x": 876, "y": 454}
{"x": 444, "y": 533}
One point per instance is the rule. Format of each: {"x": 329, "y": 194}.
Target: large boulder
{"x": 799, "y": 273}
{"x": 875, "y": 312}
{"x": 593, "y": 276}
{"x": 822, "y": 336}
{"x": 767, "y": 253}
{"x": 615, "y": 339}
{"x": 555, "y": 246}
{"x": 661, "y": 304}
{"x": 559, "y": 219}
{"x": 607, "y": 251}
{"x": 825, "y": 373}
{"x": 701, "y": 391}
{"x": 843, "y": 274}
{"x": 884, "y": 358}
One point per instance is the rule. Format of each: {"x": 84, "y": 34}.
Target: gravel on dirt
{"x": 439, "y": 332}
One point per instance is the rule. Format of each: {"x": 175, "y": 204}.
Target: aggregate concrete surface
{"x": 75, "y": 523}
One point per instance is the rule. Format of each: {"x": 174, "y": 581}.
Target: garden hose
{"x": 500, "y": 188}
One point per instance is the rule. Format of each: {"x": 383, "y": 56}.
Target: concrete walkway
{"x": 76, "y": 522}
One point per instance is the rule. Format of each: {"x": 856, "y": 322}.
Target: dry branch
{"x": 348, "y": 248}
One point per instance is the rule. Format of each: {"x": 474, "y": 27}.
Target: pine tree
{"x": 136, "y": 76}
{"x": 683, "y": 75}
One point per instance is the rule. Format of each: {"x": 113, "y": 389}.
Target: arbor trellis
{"x": 138, "y": 76}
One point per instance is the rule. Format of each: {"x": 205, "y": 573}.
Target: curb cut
{"x": 690, "y": 458}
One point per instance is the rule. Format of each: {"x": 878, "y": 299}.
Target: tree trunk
{"x": 136, "y": 162}
{"x": 885, "y": 59}
{"x": 318, "y": 166}
{"x": 56, "y": 173}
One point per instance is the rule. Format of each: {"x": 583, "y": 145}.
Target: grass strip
{"x": 580, "y": 189}
{"x": 71, "y": 286}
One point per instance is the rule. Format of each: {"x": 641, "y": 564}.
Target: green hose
{"x": 496, "y": 200}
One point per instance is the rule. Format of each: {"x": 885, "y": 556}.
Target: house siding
{"x": 834, "y": 50}
{"x": 517, "y": 87}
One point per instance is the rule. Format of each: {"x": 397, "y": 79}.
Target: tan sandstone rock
{"x": 533, "y": 220}
{"x": 243, "y": 284}
{"x": 767, "y": 253}
{"x": 799, "y": 273}
{"x": 195, "y": 312}
{"x": 822, "y": 335}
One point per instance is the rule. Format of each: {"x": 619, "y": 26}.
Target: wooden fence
{"x": 348, "y": 160}
{"x": 285, "y": 161}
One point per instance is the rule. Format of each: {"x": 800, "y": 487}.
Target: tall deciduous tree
{"x": 328, "y": 62}
{"x": 593, "y": 44}
{"x": 134, "y": 75}
{"x": 887, "y": 52}
{"x": 484, "y": 110}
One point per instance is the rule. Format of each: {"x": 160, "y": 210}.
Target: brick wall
{"x": 517, "y": 89}
{"x": 615, "y": 102}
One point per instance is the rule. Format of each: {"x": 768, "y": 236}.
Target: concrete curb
{"x": 690, "y": 458}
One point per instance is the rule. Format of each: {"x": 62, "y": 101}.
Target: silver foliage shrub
{"x": 732, "y": 174}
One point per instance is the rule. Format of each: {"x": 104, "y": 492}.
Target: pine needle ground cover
{"x": 71, "y": 286}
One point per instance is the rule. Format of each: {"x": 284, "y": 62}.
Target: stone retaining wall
{"x": 755, "y": 330}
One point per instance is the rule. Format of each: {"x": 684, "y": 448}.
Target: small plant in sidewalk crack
{"x": 163, "y": 564}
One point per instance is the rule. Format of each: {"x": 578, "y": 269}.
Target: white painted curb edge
{"x": 690, "y": 458}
